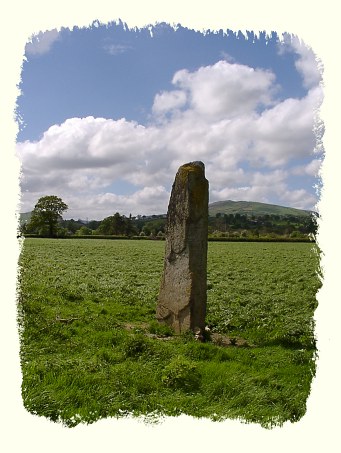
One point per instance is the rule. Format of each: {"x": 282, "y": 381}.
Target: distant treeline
{"x": 272, "y": 226}
{"x": 221, "y": 226}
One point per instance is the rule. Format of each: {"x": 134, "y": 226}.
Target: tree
{"x": 71, "y": 225}
{"x": 46, "y": 215}
{"x": 84, "y": 231}
{"x": 93, "y": 224}
{"x": 108, "y": 225}
{"x": 116, "y": 225}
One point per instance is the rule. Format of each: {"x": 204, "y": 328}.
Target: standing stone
{"x": 182, "y": 298}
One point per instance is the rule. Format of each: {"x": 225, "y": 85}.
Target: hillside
{"x": 249, "y": 220}
{"x": 24, "y": 217}
{"x": 230, "y": 207}
{"x": 253, "y": 208}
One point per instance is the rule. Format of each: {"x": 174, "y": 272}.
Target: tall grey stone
{"x": 183, "y": 297}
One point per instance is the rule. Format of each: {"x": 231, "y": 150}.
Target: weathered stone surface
{"x": 182, "y": 298}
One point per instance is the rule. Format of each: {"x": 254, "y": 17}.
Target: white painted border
{"x": 315, "y": 23}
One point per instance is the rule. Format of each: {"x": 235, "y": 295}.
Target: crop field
{"x": 91, "y": 348}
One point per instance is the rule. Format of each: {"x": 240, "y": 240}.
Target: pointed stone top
{"x": 196, "y": 163}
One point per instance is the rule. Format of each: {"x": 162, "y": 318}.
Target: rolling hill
{"x": 253, "y": 208}
{"x": 25, "y": 217}
{"x": 231, "y": 207}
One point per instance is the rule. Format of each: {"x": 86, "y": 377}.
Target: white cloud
{"x": 260, "y": 186}
{"x": 167, "y": 101}
{"x": 227, "y": 57}
{"x": 306, "y": 64}
{"x": 42, "y": 42}
{"x": 299, "y": 199}
{"x": 226, "y": 90}
{"x": 86, "y": 143}
{"x": 265, "y": 188}
{"x": 243, "y": 193}
{"x": 83, "y": 156}
{"x": 116, "y": 49}
{"x": 246, "y": 150}
{"x": 311, "y": 169}
{"x": 105, "y": 204}
{"x": 285, "y": 131}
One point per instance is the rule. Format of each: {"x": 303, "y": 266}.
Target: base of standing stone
{"x": 182, "y": 298}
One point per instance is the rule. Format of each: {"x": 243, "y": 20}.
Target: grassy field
{"x": 90, "y": 347}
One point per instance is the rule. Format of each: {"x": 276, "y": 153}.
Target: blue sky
{"x": 109, "y": 113}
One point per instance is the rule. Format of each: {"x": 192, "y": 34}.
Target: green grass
{"x": 91, "y": 348}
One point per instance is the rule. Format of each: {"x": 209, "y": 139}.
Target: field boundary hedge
{"x": 261, "y": 239}
{"x": 147, "y": 238}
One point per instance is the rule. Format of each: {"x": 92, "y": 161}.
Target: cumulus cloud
{"x": 168, "y": 101}
{"x": 306, "y": 64}
{"x": 226, "y": 115}
{"x": 260, "y": 186}
{"x": 285, "y": 132}
{"x": 103, "y": 204}
{"x": 310, "y": 169}
{"x": 300, "y": 199}
{"x": 42, "y": 42}
{"x": 86, "y": 143}
{"x": 226, "y": 90}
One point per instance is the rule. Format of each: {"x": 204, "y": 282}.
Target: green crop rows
{"x": 91, "y": 348}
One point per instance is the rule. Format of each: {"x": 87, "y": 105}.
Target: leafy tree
{"x": 71, "y": 225}
{"x": 146, "y": 230}
{"x": 46, "y": 215}
{"x": 153, "y": 226}
{"x": 111, "y": 225}
{"x": 84, "y": 231}
{"x": 117, "y": 225}
{"x": 94, "y": 224}
{"x": 130, "y": 228}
